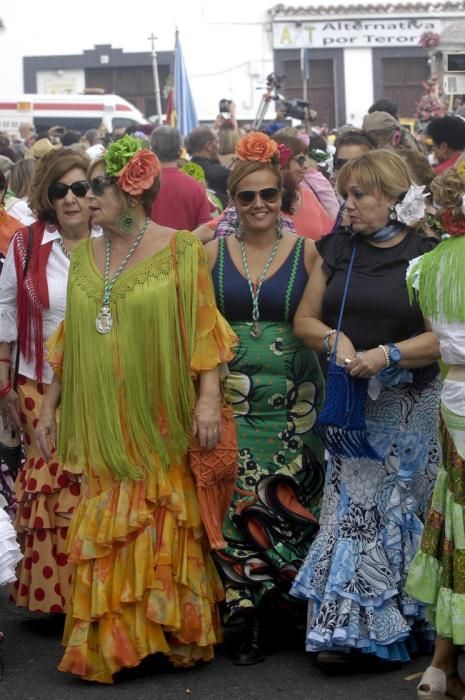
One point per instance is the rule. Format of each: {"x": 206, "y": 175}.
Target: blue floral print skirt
{"x": 370, "y": 529}
{"x": 276, "y": 389}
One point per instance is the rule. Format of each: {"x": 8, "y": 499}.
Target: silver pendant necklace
{"x": 104, "y": 320}
{"x": 256, "y": 330}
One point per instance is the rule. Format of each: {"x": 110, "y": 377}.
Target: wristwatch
{"x": 395, "y": 354}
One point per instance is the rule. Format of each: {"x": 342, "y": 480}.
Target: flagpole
{"x": 156, "y": 80}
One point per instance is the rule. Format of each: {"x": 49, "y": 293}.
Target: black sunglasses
{"x": 98, "y": 184}
{"x": 339, "y": 162}
{"x": 268, "y": 194}
{"x": 300, "y": 160}
{"x": 58, "y": 190}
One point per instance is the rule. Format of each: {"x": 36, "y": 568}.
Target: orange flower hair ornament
{"x": 135, "y": 167}
{"x": 259, "y": 147}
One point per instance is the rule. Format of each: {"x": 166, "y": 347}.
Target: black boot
{"x": 251, "y": 650}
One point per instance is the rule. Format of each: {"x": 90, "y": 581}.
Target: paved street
{"x": 32, "y": 650}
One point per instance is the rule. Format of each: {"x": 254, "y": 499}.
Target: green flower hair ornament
{"x": 195, "y": 171}
{"x": 120, "y": 152}
{"x": 318, "y": 155}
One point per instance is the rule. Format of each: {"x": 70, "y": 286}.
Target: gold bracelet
{"x": 386, "y": 355}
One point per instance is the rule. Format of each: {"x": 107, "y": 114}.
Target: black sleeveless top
{"x": 280, "y": 294}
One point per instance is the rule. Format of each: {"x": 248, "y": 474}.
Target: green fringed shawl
{"x": 437, "y": 280}
{"x": 129, "y": 394}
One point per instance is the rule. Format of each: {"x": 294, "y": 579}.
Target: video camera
{"x": 296, "y": 108}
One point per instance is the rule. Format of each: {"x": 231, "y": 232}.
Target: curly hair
{"x": 448, "y": 189}
{"x": 50, "y": 168}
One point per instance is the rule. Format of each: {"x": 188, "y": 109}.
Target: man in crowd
{"x": 203, "y": 145}
{"x": 383, "y": 128}
{"x": 448, "y": 136}
{"x": 182, "y": 202}
{"x": 392, "y": 108}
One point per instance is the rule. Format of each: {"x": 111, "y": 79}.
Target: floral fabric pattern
{"x": 437, "y": 575}
{"x": 276, "y": 389}
{"x": 370, "y": 529}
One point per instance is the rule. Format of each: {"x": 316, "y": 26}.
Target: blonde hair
{"x": 379, "y": 172}
{"x": 448, "y": 189}
{"x": 228, "y": 139}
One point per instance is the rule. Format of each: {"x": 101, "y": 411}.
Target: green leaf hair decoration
{"x": 120, "y": 152}
{"x": 195, "y": 171}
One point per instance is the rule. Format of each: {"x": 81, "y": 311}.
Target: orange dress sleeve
{"x": 55, "y": 347}
{"x": 214, "y": 337}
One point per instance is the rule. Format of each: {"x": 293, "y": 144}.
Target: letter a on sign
{"x": 286, "y": 36}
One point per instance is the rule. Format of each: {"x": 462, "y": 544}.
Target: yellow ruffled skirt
{"x": 144, "y": 581}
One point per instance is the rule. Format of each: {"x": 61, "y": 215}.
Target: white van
{"x": 79, "y": 112}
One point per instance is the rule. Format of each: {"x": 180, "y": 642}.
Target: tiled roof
{"x": 371, "y": 8}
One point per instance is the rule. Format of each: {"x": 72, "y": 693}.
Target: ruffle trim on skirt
{"x": 446, "y": 609}
{"x": 144, "y": 582}
{"x": 363, "y": 611}
{"x": 10, "y": 553}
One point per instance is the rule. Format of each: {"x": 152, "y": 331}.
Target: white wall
{"x": 358, "y": 82}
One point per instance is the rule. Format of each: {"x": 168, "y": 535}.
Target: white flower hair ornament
{"x": 463, "y": 204}
{"x": 412, "y": 208}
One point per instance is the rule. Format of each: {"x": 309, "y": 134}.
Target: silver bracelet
{"x": 326, "y": 338}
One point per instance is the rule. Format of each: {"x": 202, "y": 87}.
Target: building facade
{"x": 342, "y": 57}
{"x": 345, "y": 57}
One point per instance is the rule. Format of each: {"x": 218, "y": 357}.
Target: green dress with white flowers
{"x": 276, "y": 388}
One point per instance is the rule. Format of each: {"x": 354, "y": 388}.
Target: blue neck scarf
{"x": 386, "y": 233}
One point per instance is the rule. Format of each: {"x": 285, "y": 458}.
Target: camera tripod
{"x": 273, "y": 85}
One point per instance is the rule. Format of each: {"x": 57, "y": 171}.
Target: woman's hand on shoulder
{"x": 204, "y": 233}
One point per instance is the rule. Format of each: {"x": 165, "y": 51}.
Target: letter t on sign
{"x": 310, "y": 30}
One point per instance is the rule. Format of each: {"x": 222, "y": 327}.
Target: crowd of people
{"x": 150, "y": 281}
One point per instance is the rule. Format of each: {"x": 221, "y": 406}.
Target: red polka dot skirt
{"x": 47, "y": 495}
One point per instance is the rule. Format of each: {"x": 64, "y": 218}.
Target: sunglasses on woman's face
{"x": 269, "y": 194}
{"x": 300, "y": 160}
{"x": 59, "y": 190}
{"x": 97, "y": 185}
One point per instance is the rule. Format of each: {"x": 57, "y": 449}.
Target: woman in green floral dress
{"x": 276, "y": 389}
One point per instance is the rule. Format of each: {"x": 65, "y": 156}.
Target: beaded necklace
{"x": 64, "y": 250}
{"x": 256, "y": 330}
{"x": 104, "y": 320}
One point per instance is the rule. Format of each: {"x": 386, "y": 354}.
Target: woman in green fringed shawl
{"x": 144, "y": 581}
{"x": 437, "y": 574}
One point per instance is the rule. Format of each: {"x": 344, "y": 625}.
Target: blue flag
{"x": 184, "y": 103}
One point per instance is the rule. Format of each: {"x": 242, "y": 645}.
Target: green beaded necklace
{"x": 104, "y": 320}
{"x": 256, "y": 330}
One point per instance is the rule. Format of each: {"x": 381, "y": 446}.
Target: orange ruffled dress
{"x": 144, "y": 581}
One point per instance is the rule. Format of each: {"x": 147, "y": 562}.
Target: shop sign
{"x": 373, "y": 33}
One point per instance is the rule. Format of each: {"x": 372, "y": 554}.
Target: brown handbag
{"x": 214, "y": 471}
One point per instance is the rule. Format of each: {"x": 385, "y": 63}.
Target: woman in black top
{"x": 369, "y": 530}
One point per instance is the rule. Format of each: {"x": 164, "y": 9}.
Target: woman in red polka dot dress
{"x": 32, "y": 305}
